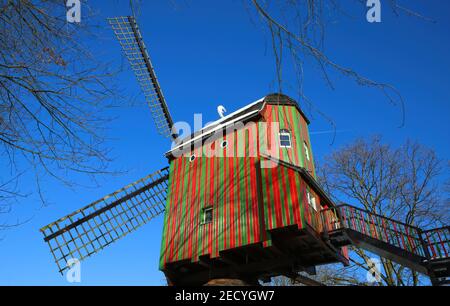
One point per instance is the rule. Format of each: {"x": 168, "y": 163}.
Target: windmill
{"x": 240, "y": 199}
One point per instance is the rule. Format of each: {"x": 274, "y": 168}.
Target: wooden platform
{"x": 292, "y": 251}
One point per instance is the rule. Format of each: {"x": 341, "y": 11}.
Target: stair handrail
{"x": 434, "y": 246}
{"x": 447, "y": 227}
{"x": 381, "y": 216}
{"x": 414, "y": 243}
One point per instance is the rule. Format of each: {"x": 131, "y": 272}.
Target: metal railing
{"x": 437, "y": 242}
{"x": 430, "y": 244}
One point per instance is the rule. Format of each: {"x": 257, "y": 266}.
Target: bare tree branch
{"x": 53, "y": 93}
{"x": 298, "y": 28}
{"x": 400, "y": 183}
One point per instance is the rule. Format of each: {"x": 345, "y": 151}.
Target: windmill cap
{"x": 281, "y": 99}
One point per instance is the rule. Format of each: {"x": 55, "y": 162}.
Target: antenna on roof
{"x": 221, "y": 110}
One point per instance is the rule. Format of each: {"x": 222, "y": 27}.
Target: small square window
{"x": 207, "y": 215}
{"x": 285, "y": 138}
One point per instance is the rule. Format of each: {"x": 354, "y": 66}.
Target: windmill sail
{"x": 90, "y": 229}
{"x": 130, "y": 38}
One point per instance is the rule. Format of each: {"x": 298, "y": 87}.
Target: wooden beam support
{"x": 299, "y": 278}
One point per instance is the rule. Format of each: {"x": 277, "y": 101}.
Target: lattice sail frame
{"x": 130, "y": 39}
{"x": 97, "y": 225}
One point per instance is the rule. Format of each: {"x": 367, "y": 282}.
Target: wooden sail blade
{"x": 130, "y": 39}
{"x": 91, "y": 228}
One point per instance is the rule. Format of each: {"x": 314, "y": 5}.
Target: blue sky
{"x": 208, "y": 53}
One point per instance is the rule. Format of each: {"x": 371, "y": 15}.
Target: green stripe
{"x": 279, "y": 171}
{"x": 289, "y": 196}
{"x": 201, "y": 203}
{"x": 301, "y": 203}
{"x": 237, "y": 201}
{"x": 182, "y": 217}
{"x": 298, "y": 137}
{"x": 166, "y": 215}
{"x": 221, "y": 202}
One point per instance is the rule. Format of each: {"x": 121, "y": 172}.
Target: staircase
{"x": 427, "y": 252}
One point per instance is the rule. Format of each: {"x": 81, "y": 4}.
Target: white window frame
{"x": 285, "y": 132}
{"x": 306, "y": 147}
{"x": 311, "y": 200}
{"x": 204, "y": 212}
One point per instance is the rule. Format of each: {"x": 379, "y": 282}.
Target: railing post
{"x": 324, "y": 224}
{"x": 339, "y": 216}
{"x": 433, "y": 279}
{"x": 424, "y": 245}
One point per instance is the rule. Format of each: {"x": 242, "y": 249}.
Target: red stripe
{"x": 212, "y": 179}
{"x": 385, "y": 231}
{"x": 268, "y": 200}
{"x": 293, "y": 140}
{"x": 174, "y": 211}
{"x": 170, "y": 212}
{"x": 175, "y": 237}
{"x": 191, "y": 208}
{"x": 258, "y": 235}
{"x": 441, "y": 242}
{"x": 364, "y": 223}
{"x": 431, "y": 245}
{"x": 276, "y": 191}
{"x": 290, "y": 150}
{"x": 182, "y": 241}
{"x": 199, "y": 207}
{"x": 213, "y": 203}
{"x": 188, "y": 208}
{"x": 247, "y": 195}
{"x": 177, "y": 214}
{"x": 268, "y": 131}
{"x": 294, "y": 195}
{"x": 169, "y": 215}
{"x": 286, "y": 205}
{"x": 238, "y": 187}
{"x": 217, "y": 228}
{"x": 250, "y": 144}
{"x": 210, "y": 229}
{"x": 285, "y": 122}
{"x": 277, "y": 119}
{"x": 196, "y": 221}
{"x": 231, "y": 202}
{"x": 225, "y": 204}
{"x": 255, "y": 212}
